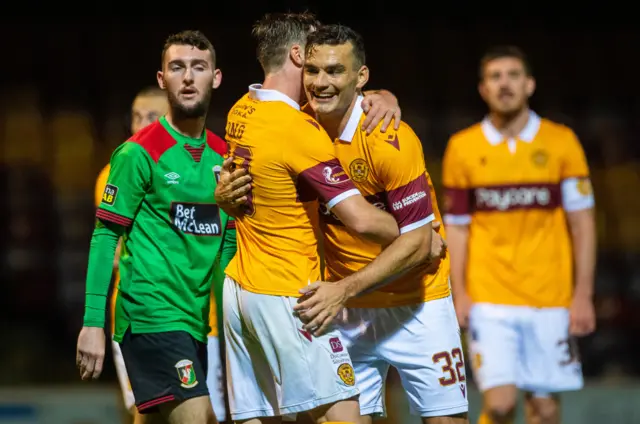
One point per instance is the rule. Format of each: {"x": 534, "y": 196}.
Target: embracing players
{"x": 275, "y": 366}
{"x": 522, "y": 240}
{"x": 158, "y": 198}
{"x": 410, "y": 323}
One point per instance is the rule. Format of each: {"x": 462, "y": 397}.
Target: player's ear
{"x": 531, "y": 86}
{"x": 217, "y": 78}
{"x": 160, "y": 78}
{"x": 363, "y": 77}
{"x": 296, "y": 54}
{"x": 482, "y": 89}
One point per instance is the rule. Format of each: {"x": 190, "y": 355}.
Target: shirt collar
{"x": 353, "y": 122}
{"x": 527, "y": 134}
{"x": 266, "y": 95}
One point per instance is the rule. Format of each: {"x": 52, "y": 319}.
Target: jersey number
{"x": 570, "y": 348}
{"x": 453, "y": 366}
{"x": 245, "y": 154}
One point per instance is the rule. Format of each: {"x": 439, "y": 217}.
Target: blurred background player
{"x": 291, "y": 162}
{"x": 521, "y": 233}
{"x": 158, "y": 197}
{"x": 149, "y": 105}
{"x": 387, "y": 326}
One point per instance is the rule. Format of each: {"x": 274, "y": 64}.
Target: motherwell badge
{"x": 186, "y": 374}
{"x": 359, "y": 170}
{"x": 346, "y": 374}
{"x": 583, "y": 185}
{"x": 540, "y": 158}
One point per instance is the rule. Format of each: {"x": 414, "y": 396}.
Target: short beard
{"x": 199, "y": 110}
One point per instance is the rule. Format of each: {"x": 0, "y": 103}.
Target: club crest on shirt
{"x": 583, "y": 185}
{"x": 540, "y": 158}
{"x": 109, "y": 194}
{"x": 186, "y": 374}
{"x": 346, "y": 374}
{"x": 359, "y": 170}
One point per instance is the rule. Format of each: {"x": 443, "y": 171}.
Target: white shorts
{"x": 274, "y": 368}
{"x": 422, "y": 342}
{"x": 123, "y": 377}
{"x": 523, "y": 346}
{"x": 215, "y": 382}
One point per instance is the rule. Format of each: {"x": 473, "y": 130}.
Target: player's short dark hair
{"x": 499, "y": 52}
{"x": 337, "y": 35}
{"x": 277, "y": 32}
{"x": 190, "y": 38}
{"x": 152, "y": 90}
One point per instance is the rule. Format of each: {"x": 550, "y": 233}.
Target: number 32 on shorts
{"x": 452, "y": 366}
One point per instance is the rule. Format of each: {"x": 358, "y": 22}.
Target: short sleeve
{"x": 457, "y": 189}
{"x": 101, "y": 182}
{"x": 128, "y": 182}
{"x": 577, "y": 193}
{"x": 319, "y": 174}
{"x": 398, "y": 164}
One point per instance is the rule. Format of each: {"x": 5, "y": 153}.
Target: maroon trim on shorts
{"x": 155, "y": 402}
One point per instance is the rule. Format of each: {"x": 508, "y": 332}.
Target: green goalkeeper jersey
{"x": 160, "y": 189}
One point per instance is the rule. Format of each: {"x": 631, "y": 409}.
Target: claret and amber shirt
{"x": 513, "y": 193}
{"x": 389, "y": 170}
{"x": 292, "y": 164}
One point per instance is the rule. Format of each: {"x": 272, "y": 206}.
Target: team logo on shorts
{"x": 359, "y": 170}
{"x": 540, "y": 158}
{"x": 477, "y": 361}
{"x": 346, "y": 374}
{"x": 109, "y": 194}
{"x": 186, "y": 374}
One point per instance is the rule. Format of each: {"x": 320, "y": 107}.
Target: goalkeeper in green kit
{"x": 159, "y": 199}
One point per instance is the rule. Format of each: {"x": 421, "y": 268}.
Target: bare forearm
{"x": 457, "y": 241}
{"x": 583, "y": 236}
{"x": 380, "y": 228}
{"x": 404, "y": 253}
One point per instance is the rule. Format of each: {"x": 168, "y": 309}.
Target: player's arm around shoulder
{"x": 337, "y": 191}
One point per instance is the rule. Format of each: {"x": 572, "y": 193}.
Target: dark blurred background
{"x": 67, "y": 83}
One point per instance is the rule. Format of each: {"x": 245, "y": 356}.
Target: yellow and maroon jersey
{"x": 389, "y": 170}
{"x": 292, "y": 164}
{"x": 514, "y": 193}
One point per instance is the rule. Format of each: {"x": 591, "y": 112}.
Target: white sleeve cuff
{"x": 417, "y": 224}
{"x": 457, "y": 219}
{"x": 340, "y": 197}
{"x": 577, "y": 194}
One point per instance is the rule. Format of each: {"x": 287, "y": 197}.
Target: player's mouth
{"x": 323, "y": 97}
{"x": 505, "y": 95}
{"x": 188, "y": 93}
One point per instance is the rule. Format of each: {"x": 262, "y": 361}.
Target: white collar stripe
{"x": 527, "y": 134}
{"x": 354, "y": 120}
{"x": 265, "y": 95}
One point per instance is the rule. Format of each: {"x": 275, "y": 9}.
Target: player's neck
{"x": 335, "y": 123}
{"x": 510, "y": 125}
{"x": 284, "y": 82}
{"x": 190, "y": 127}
